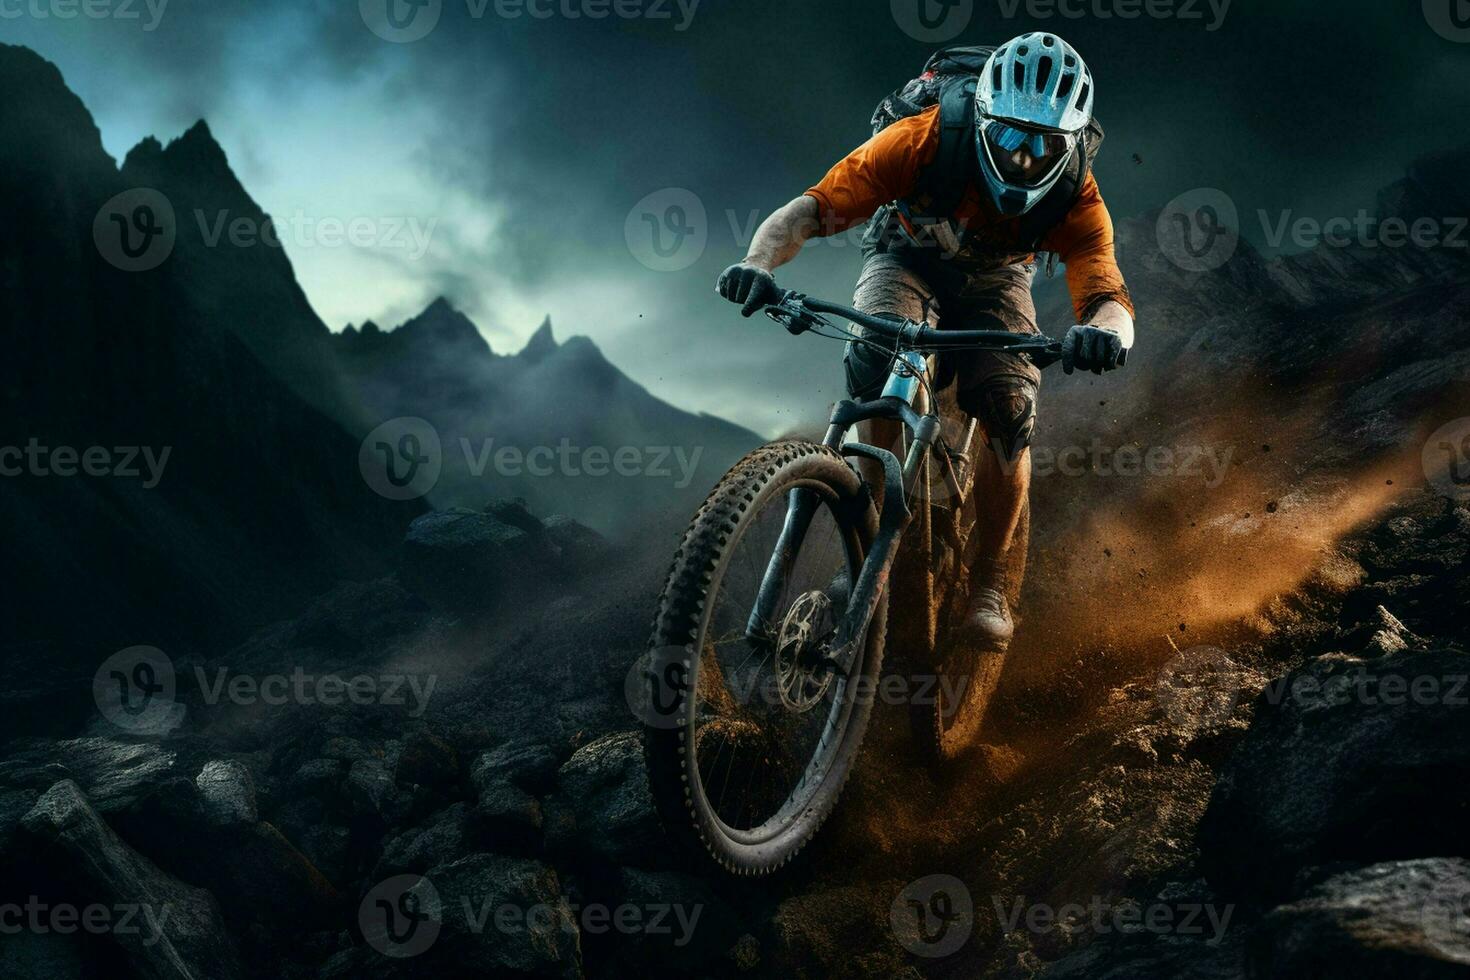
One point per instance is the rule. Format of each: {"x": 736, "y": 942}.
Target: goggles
{"x": 1024, "y": 157}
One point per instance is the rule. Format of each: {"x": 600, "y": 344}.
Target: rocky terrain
{"x": 1254, "y": 797}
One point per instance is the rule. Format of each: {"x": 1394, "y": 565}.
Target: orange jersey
{"x": 886, "y": 168}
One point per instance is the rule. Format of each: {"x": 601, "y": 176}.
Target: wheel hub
{"x": 801, "y": 648}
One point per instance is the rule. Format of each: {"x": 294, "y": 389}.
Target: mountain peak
{"x": 443, "y": 324}
{"x": 542, "y": 342}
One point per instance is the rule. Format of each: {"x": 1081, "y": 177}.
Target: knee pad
{"x": 1006, "y": 407}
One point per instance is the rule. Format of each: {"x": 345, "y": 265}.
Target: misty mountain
{"x": 555, "y": 423}
{"x": 128, "y": 338}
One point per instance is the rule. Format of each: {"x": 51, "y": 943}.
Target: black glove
{"x": 749, "y": 285}
{"x": 1092, "y": 349}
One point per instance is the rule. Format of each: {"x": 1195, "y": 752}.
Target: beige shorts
{"x": 998, "y": 299}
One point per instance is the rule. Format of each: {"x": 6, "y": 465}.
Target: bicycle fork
{"x": 897, "y": 402}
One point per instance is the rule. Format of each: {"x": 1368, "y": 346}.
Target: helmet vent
{"x": 998, "y": 81}
{"x": 1065, "y": 88}
{"x": 1082, "y": 95}
{"x": 1048, "y": 40}
{"x": 1020, "y": 75}
{"x": 1070, "y": 61}
{"x": 1043, "y": 74}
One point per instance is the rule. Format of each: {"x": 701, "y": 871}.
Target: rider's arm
{"x": 1085, "y": 243}
{"x": 781, "y": 236}
{"x": 881, "y": 170}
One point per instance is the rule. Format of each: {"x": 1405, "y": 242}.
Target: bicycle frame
{"x": 905, "y": 399}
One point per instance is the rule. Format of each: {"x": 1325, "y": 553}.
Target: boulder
{"x": 602, "y": 806}
{"x": 428, "y": 760}
{"x": 1400, "y": 920}
{"x": 227, "y": 794}
{"x": 115, "y": 775}
{"x": 178, "y": 931}
{"x": 1347, "y": 760}
{"x": 441, "y": 840}
{"x": 501, "y": 915}
{"x": 529, "y": 765}
{"x": 373, "y": 793}
{"x": 509, "y": 817}
{"x": 465, "y": 561}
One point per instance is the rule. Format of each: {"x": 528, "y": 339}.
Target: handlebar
{"x": 800, "y": 313}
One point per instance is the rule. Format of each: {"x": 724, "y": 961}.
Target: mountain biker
{"x": 972, "y": 267}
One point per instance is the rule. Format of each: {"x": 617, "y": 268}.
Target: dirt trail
{"x": 1095, "y": 774}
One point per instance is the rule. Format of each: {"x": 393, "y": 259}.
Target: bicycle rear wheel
{"x": 752, "y": 741}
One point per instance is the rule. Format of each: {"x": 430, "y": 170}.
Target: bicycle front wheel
{"x": 754, "y": 734}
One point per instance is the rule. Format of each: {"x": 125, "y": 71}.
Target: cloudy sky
{"x": 524, "y": 152}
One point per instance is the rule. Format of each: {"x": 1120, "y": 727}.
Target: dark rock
{"x": 602, "y": 806}
{"x": 465, "y": 561}
{"x": 682, "y": 924}
{"x": 440, "y": 841}
{"x": 115, "y": 775}
{"x": 328, "y": 848}
{"x": 357, "y": 615}
{"x": 1346, "y": 760}
{"x": 227, "y": 794}
{"x": 1405, "y": 920}
{"x": 428, "y": 760}
{"x": 260, "y": 876}
{"x": 183, "y": 935}
{"x": 509, "y": 817}
{"x": 345, "y": 749}
{"x": 318, "y": 776}
{"x": 502, "y": 914}
{"x": 14, "y": 804}
{"x": 372, "y": 792}
{"x": 531, "y": 766}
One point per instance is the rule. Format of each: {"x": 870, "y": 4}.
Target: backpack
{"x": 949, "y": 79}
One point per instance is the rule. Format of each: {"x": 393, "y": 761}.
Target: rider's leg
{"x": 1000, "y": 391}
{"x": 885, "y": 286}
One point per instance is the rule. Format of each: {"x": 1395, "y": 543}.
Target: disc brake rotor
{"x": 806, "y": 631}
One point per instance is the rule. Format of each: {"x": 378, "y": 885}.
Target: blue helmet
{"x": 1033, "y": 101}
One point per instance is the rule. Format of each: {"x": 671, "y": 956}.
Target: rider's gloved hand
{"x": 749, "y": 285}
{"x": 1092, "y": 349}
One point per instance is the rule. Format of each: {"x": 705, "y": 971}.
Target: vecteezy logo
{"x": 135, "y": 231}
{"x": 933, "y": 917}
{"x": 1199, "y": 230}
{"x": 1449, "y": 18}
{"x": 402, "y": 458}
{"x": 1447, "y": 459}
{"x": 932, "y": 21}
{"x": 1198, "y": 689}
{"x": 134, "y": 690}
{"x": 401, "y": 917}
{"x": 401, "y": 21}
{"x": 656, "y": 687}
{"x": 667, "y": 230}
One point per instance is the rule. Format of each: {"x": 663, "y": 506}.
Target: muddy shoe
{"x": 989, "y": 619}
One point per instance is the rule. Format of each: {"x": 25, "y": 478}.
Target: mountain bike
{"x": 768, "y": 642}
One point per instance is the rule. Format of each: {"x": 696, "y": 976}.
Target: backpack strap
{"x": 941, "y": 185}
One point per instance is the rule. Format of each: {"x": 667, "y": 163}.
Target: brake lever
{"x": 791, "y": 314}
